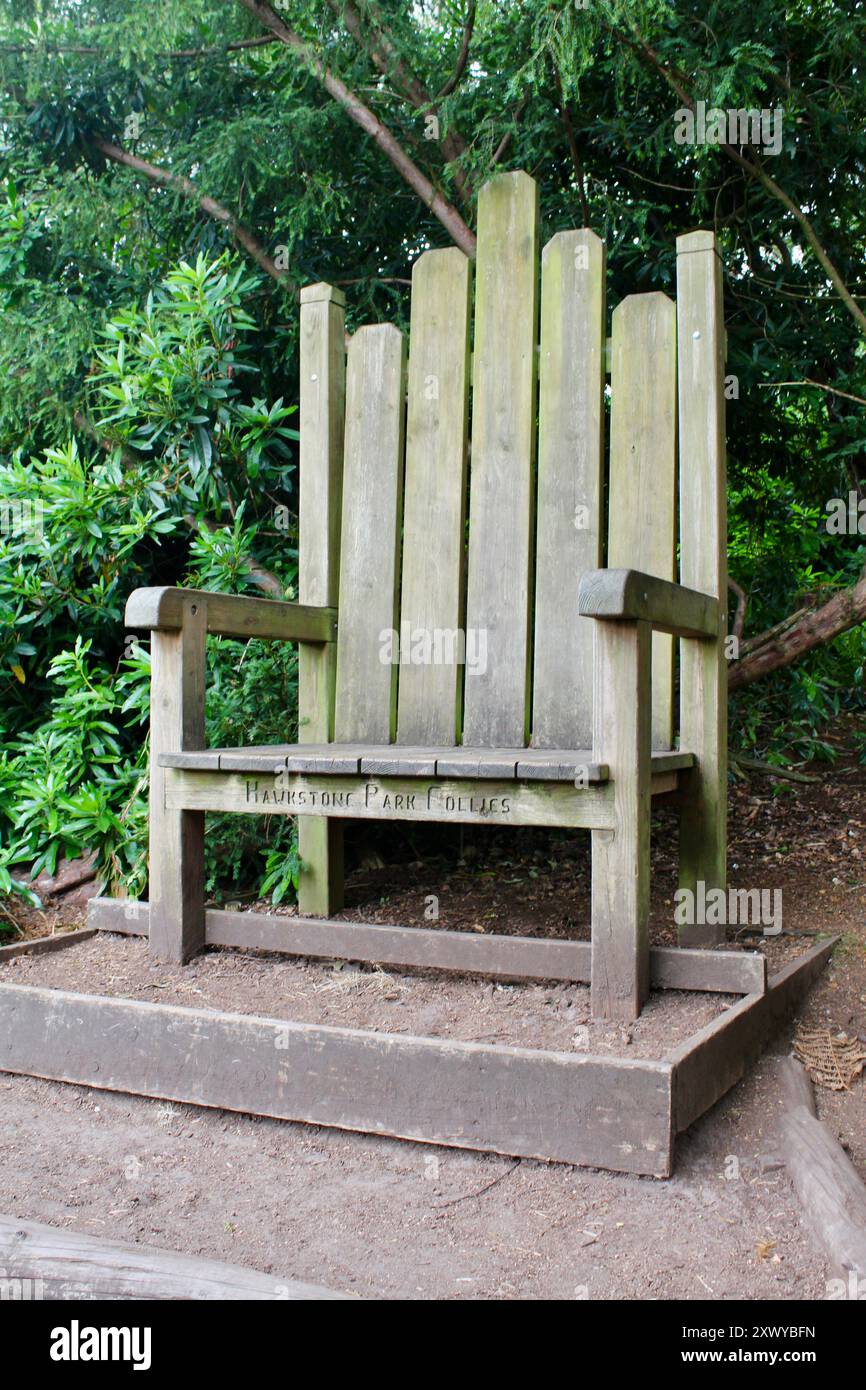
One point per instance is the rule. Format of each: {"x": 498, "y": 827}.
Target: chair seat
{"x": 393, "y": 760}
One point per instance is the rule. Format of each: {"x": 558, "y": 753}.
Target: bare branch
{"x": 462, "y": 56}
{"x": 447, "y": 214}
{"x": 242, "y": 235}
{"x": 383, "y": 53}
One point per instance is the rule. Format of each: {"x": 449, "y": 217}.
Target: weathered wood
{"x": 512, "y": 957}
{"x": 796, "y": 1085}
{"x": 126, "y": 916}
{"x": 703, "y": 566}
{"x": 431, "y": 688}
{"x": 176, "y": 850}
{"x": 643, "y": 466}
{"x": 59, "y": 1264}
{"x": 501, "y": 520}
{"x": 232, "y": 615}
{"x": 716, "y": 972}
{"x": 390, "y": 798}
{"x": 828, "y": 1185}
{"x": 570, "y": 477}
{"x": 322, "y": 417}
{"x": 517, "y": 957}
{"x": 630, "y": 596}
{"x": 370, "y": 546}
{"x": 390, "y": 759}
{"x": 710, "y": 1062}
{"x": 42, "y": 945}
{"x": 620, "y": 858}
{"x": 566, "y": 1107}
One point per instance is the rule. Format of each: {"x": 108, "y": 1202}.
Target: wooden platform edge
{"x": 594, "y": 1111}
{"x": 41, "y": 945}
{"x": 58, "y": 1264}
{"x": 715, "y": 1058}
{"x": 510, "y": 957}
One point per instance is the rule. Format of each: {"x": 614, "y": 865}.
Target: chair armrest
{"x": 231, "y": 615}
{"x": 629, "y": 596}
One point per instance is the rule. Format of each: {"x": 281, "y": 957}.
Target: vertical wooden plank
{"x": 643, "y": 467}
{"x": 503, "y": 443}
{"x": 570, "y": 479}
{"x": 366, "y": 703}
{"x": 620, "y": 858}
{"x": 322, "y": 416}
{"x": 176, "y": 849}
{"x": 435, "y": 500}
{"x": 703, "y": 565}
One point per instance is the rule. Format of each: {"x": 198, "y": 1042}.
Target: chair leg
{"x": 176, "y": 879}
{"x": 621, "y": 857}
{"x": 703, "y": 818}
{"x": 320, "y": 885}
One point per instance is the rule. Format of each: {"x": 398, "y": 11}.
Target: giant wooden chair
{"x": 565, "y": 717}
{"x": 562, "y": 714}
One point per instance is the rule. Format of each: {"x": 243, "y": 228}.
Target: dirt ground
{"x": 390, "y": 1219}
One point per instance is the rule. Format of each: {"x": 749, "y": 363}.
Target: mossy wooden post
{"x": 703, "y": 566}
{"x": 570, "y": 484}
{"x": 501, "y": 505}
{"x": 643, "y": 467}
{"x": 322, "y": 391}
{"x": 176, "y": 857}
{"x": 622, "y": 714}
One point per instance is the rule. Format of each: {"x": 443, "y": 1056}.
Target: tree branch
{"x": 742, "y": 600}
{"x": 462, "y": 56}
{"x": 813, "y": 628}
{"x": 679, "y": 84}
{"x": 383, "y": 53}
{"x": 181, "y": 184}
{"x": 460, "y": 233}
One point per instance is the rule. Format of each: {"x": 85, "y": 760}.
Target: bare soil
{"x": 390, "y": 1219}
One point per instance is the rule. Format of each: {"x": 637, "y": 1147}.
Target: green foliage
{"x": 177, "y": 443}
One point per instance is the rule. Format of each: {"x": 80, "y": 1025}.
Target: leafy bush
{"x": 179, "y": 473}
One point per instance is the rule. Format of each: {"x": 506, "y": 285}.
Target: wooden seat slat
{"x": 392, "y": 760}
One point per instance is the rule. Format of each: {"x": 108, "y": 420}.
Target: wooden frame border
{"x": 615, "y": 1113}
{"x": 42, "y": 945}
{"x": 509, "y": 957}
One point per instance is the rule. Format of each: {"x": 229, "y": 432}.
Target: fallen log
{"x": 42, "y": 1262}
{"x": 828, "y": 1185}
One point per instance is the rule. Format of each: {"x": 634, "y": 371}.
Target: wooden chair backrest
{"x": 392, "y": 550}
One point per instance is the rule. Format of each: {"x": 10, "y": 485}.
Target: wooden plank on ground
{"x": 643, "y": 466}
{"x": 570, "y": 1108}
{"x": 42, "y": 945}
{"x": 671, "y": 967}
{"x": 829, "y": 1187}
{"x": 370, "y": 547}
{"x": 501, "y": 520}
{"x": 703, "y": 565}
{"x": 59, "y": 1265}
{"x": 570, "y": 479}
{"x": 431, "y": 609}
{"x": 127, "y": 916}
{"x": 710, "y": 1062}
